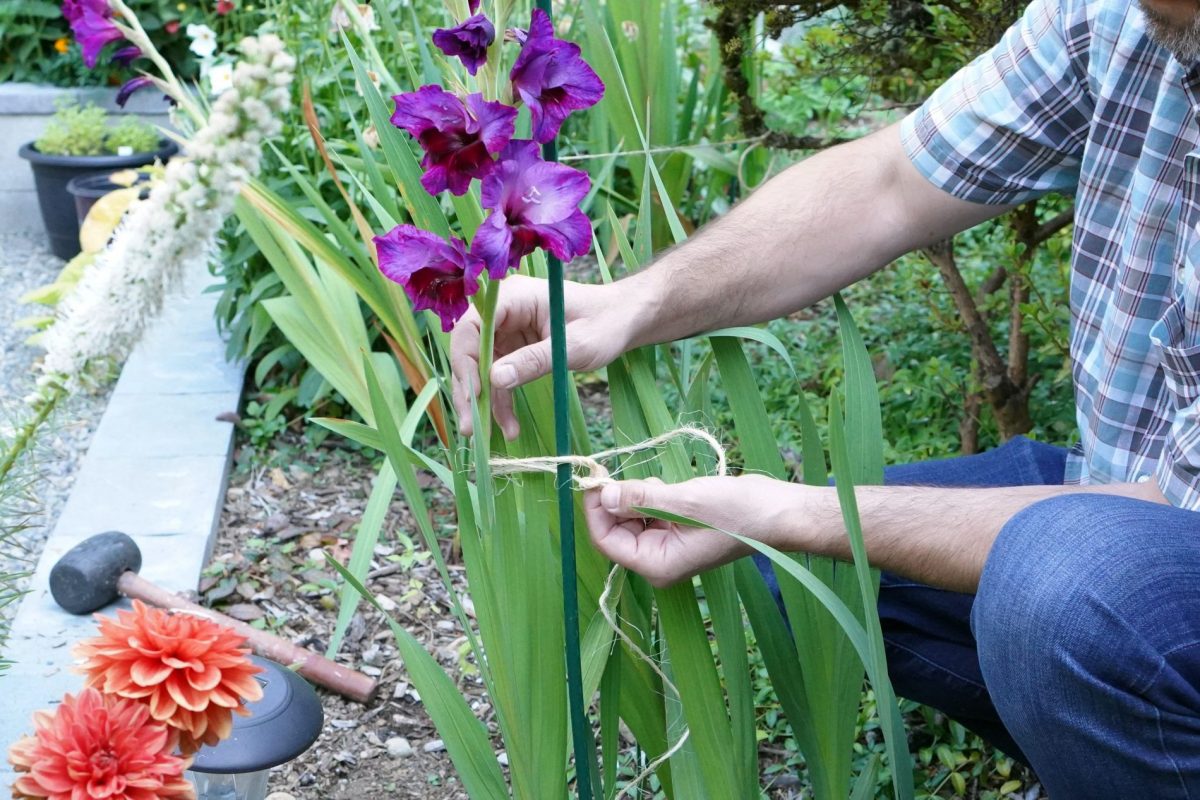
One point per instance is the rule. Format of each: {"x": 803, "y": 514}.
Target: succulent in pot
{"x": 79, "y": 141}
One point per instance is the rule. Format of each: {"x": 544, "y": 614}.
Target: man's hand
{"x": 601, "y": 324}
{"x": 665, "y": 553}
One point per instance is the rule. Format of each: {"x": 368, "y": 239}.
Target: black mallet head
{"x": 85, "y": 578}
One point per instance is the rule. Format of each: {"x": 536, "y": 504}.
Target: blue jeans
{"x": 1080, "y": 654}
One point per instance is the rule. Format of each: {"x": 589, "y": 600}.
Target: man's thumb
{"x": 522, "y": 366}
{"x": 625, "y": 497}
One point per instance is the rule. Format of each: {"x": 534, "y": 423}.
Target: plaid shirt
{"x": 1076, "y": 98}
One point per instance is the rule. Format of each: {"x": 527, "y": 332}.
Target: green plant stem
{"x": 25, "y": 435}
{"x": 487, "y": 312}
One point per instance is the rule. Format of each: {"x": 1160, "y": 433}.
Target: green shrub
{"x": 74, "y": 130}
{"x": 77, "y": 130}
{"x": 131, "y": 132}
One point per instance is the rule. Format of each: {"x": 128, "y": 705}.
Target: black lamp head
{"x": 281, "y": 726}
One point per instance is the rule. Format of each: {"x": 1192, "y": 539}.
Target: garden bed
{"x": 289, "y": 502}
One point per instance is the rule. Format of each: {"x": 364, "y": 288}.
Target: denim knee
{"x": 1068, "y": 580}
{"x": 1086, "y": 619}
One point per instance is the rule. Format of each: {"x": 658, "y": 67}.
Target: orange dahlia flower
{"x": 192, "y": 673}
{"x": 94, "y": 746}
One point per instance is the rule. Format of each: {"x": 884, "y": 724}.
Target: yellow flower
{"x": 181, "y": 6}
{"x": 62, "y": 44}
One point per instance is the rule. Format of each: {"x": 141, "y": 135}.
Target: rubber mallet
{"x": 102, "y": 568}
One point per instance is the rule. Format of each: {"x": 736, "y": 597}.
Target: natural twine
{"x": 596, "y": 476}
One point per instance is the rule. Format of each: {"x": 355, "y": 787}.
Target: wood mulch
{"x": 268, "y": 569}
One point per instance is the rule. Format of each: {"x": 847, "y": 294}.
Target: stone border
{"x": 157, "y": 470}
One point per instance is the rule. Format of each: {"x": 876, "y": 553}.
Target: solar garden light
{"x": 281, "y": 726}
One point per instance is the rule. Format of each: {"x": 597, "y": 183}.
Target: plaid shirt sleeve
{"x": 1011, "y": 125}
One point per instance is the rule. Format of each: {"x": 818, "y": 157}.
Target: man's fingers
{"x": 502, "y": 410}
{"x": 464, "y": 366}
{"x": 522, "y": 366}
{"x": 617, "y": 540}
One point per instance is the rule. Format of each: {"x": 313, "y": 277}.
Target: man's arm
{"x": 812, "y": 230}
{"x": 815, "y": 228}
{"x": 940, "y": 537}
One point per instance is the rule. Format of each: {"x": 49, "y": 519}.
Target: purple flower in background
{"x": 552, "y": 78}
{"x": 92, "y": 25}
{"x": 458, "y": 138}
{"x": 469, "y": 41}
{"x": 534, "y": 203}
{"x": 127, "y": 55}
{"x": 436, "y": 274}
{"x": 130, "y": 86}
{"x": 473, "y": 5}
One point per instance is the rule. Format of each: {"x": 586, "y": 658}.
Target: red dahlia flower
{"x": 192, "y": 673}
{"x": 94, "y": 746}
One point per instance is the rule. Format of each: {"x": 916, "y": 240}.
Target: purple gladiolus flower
{"x": 458, "y": 138}
{"x": 469, "y": 41}
{"x": 436, "y": 274}
{"x": 130, "y": 86}
{"x": 127, "y": 55}
{"x": 92, "y": 25}
{"x": 552, "y": 78}
{"x": 534, "y": 203}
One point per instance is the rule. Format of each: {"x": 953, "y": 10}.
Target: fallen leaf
{"x": 246, "y": 612}
{"x": 279, "y": 479}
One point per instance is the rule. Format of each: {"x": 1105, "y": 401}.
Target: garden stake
{"x": 581, "y": 730}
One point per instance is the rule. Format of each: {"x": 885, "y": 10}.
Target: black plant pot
{"x": 87, "y": 189}
{"x": 51, "y": 173}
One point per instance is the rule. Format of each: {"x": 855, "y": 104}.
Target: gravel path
{"x": 32, "y": 499}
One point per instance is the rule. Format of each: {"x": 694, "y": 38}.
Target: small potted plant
{"x": 78, "y": 141}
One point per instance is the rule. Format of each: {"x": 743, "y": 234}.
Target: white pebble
{"x": 398, "y": 747}
{"x": 435, "y": 746}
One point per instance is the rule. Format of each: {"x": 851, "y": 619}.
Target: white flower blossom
{"x": 220, "y": 78}
{"x": 163, "y": 237}
{"x": 204, "y": 40}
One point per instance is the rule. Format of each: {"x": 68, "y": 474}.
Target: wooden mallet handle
{"x": 318, "y": 669}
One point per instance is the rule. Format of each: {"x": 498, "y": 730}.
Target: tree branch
{"x": 1052, "y": 226}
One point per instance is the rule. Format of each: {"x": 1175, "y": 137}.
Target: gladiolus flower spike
{"x": 436, "y": 275}
{"x": 458, "y": 138}
{"x": 534, "y": 203}
{"x": 469, "y": 41}
{"x": 91, "y": 22}
{"x": 551, "y": 77}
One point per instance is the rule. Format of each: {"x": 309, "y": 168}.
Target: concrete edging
{"x": 156, "y": 469}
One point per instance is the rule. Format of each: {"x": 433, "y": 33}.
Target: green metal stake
{"x": 581, "y": 730}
